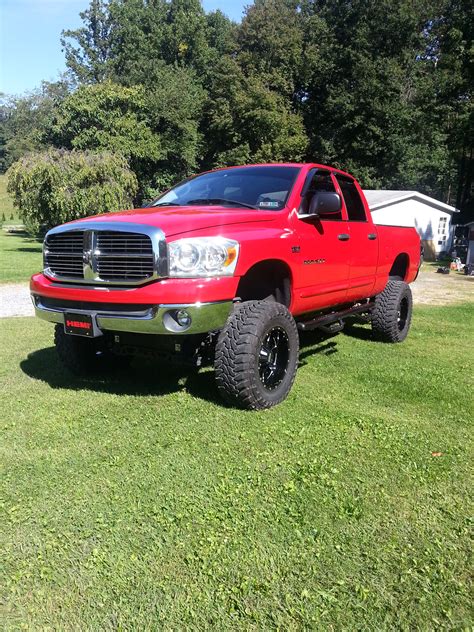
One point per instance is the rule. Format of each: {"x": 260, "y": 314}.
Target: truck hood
{"x": 174, "y": 220}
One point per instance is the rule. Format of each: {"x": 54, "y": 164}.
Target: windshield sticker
{"x": 269, "y": 204}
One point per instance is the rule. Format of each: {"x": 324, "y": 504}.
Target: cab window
{"x": 318, "y": 180}
{"x": 354, "y": 205}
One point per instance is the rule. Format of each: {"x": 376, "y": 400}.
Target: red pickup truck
{"x": 227, "y": 266}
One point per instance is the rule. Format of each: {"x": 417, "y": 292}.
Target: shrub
{"x": 57, "y": 186}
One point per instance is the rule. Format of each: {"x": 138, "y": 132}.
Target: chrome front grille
{"x": 110, "y": 242}
{"x": 105, "y": 253}
{"x": 124, "y": 256}
{"x": 63, "y": 254}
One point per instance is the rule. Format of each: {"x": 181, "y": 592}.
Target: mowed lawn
{"x": 20, "y": 256}
{"x": 138, "y": 501}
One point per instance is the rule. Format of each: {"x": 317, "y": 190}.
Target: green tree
{"x": 87, "y": 49}
{"x": 382, "y": 88}
{"x": 222, "y": 34}
{"x": 200, "y": 97}
{"x": 246, "y": 122}
{"x": 129, "y": 41}
{"x": 362, "y": 105}
{"x": 58, "y": 186}
{"x": 108, "y": 116}
{"x": 271, "y": 45}
{"x": 155, "y": 130}
{"x": 185, "y": 34}
{"x": 453, "y": 83}
{"x": 175, "y": 103}
{"x": 25, "y": 122}
{"x": 4, "y": 113}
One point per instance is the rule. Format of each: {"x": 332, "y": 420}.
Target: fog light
{"x": 183, "y": 318}
{"x": 177, "y": 320}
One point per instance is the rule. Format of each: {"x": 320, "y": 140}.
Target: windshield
{"x": 261, "y": 188}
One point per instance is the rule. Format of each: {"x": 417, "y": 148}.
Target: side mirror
{"x": 325, "y": 203}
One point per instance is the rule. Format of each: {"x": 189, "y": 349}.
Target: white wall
{"x": 423, "y": 217}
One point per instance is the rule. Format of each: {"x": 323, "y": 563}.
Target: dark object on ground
{"x": 443, "y": 270}
{"x": 469, "y": 269}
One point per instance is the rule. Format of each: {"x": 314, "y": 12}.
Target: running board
{"x": 323, "y": 320}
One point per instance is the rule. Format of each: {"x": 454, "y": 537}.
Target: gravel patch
{"x": 15, "y": 300}
{"x": 431, "y": 288}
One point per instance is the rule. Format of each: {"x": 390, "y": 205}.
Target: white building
{"x": 431, "y": 218}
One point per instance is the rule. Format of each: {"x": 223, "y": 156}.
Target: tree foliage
{"x": 453, "y": 36}
{"x": 25, "y": 122}
{"x": 87, "y": 49}
{"x": 57, "y": 186}
{"x": 244, "y": 121}
{"x": 381, "y": 88}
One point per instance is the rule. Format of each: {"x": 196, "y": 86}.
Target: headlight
{"x": 203, "y": 257}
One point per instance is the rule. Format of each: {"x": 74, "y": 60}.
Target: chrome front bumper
{"x": 158, "y": 319}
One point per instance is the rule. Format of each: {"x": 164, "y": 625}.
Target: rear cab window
{"x": 352, "y": 200}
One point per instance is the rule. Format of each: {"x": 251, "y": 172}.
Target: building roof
{"x": 379, "y": 198}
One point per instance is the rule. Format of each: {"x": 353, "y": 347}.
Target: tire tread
{"x": 236, "y": 350}
{"x": 385, "y": 312}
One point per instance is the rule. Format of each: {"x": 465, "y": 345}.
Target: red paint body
{"x": 351, "y": 270}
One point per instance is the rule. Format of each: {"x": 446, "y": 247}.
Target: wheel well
{"x": 266, "y": 279}
{"x": 399, "y": 268}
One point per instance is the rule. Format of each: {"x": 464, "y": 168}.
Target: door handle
{"x": 372, "y": 236}
{"x": 343, "y": 237}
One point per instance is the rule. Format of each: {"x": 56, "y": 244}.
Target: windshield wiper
{"x": 212, "y": 201}
{"x": 165, "y": 204}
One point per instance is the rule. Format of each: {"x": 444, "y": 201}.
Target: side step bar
{"x": 323, "y": 320}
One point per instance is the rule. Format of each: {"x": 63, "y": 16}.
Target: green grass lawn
{"x": 139, "y": 501}
{"x": 20, "y": 257}
{"x": 20, "y": 254}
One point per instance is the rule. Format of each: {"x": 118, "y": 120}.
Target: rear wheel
{"x": 391, "y": 316}
{"x": 257, "y": 355}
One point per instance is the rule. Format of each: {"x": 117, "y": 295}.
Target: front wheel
{"x": 257, "y": 355}
{"x": 82, "y": 356}
{"x": 391, "y": 316}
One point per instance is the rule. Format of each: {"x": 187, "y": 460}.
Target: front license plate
{"x": 79, "y": 324}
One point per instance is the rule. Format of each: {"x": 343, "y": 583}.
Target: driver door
{"x": 324, "y": 250}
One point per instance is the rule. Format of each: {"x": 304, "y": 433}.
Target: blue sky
{"x": 29, "y": 37}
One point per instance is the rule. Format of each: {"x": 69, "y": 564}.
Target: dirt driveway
{"x": 429, "y": 289}
{"x": 432, "y": 288}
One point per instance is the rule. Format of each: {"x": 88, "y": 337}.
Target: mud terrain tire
{"x": 391, "y": 316}
{"x": 257, "y": 355}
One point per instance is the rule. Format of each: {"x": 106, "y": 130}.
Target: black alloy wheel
{"x": 273, "y": 358}
{"x": 257, "y": 355}
{"x": 402, "y": 314}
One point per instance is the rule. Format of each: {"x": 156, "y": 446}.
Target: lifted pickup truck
{"x": 226, "y": 267}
